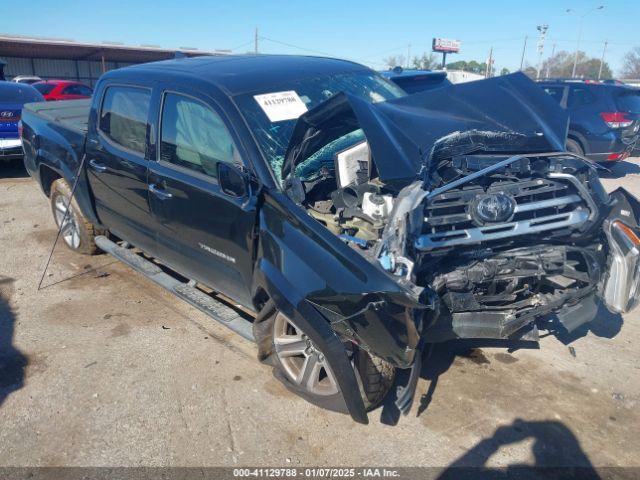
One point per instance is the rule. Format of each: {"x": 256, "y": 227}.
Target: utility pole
{"x": 255, "y": 41}
{"x": 524, "y": 49}
{"x": 543, "y": 33}
{"x": 604, "y": 50}
{"x": 487, "y": 73}
{"x": 553, "y": 52}
{"x": 408, "y": 54}
{"x": 575, "y": 58}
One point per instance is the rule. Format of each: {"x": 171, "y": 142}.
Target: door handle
{"x": 158, "y": 192}
{"x": 98, "y": 167}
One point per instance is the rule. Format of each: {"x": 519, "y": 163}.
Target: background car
{"x": 12, "y": 98}
{"x": 28, "y": 79}
{"x": 412, "y": 81}
{"x": 63, "y": 90}
{"x": 604, "y": 118}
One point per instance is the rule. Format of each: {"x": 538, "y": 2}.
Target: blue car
{"x": 413, "y": 81}
{"x": 604, "y": 118}
{"x": 12, "y": 98}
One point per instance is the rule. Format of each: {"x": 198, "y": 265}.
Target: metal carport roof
{"x": 27, "y": 47}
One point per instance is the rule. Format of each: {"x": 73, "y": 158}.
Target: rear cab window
{"x": 124, "y": 117}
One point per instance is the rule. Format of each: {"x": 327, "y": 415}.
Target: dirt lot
{"x": 102, "y": 367}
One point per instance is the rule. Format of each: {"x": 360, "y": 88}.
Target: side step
{"x": 207, "y": 304}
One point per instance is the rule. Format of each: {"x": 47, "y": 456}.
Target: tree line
{"x": 559, "y": 65}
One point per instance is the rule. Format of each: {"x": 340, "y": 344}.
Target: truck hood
{"x": 504, "y": 114}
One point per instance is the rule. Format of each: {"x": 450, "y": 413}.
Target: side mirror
{"x": 232, "y": 180}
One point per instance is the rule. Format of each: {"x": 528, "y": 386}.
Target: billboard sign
{"x": 445, "y": 45}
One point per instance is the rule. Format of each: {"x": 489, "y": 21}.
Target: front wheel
{"x": 304, "y": 365}
{"x": 76, "y": 231}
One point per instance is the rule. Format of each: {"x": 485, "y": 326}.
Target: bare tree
{"x": 394, "y": 61}
{"x": 425, "y": 62}
{"x": 561, "y": 65}
{"x": 631, "y": 64}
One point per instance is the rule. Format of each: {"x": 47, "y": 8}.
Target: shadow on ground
{"x": 439, "y": 357}
{"x": 13, "y": 169}
{"x": 12, "y": 361}
{"x": 556, "y": 454}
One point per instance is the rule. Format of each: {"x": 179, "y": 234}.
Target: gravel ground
{"x": 103, "y": 368}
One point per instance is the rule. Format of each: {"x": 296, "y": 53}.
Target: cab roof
{"x": 237, "y": 74}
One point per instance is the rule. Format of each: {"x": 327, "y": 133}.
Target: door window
{"x": 194, "y": 136}
{"x": 77, "y": 90}
{"x": 555, "y": 92}
{"x": 579, "y": 96}
{"x": 123, "y": 117}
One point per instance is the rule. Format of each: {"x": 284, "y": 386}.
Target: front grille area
{"x": 542, "y": 205}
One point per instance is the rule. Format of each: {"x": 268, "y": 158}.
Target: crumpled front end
{"x": 464, "y": 197}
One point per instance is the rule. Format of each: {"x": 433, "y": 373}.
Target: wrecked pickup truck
{"x": 311, "y": 206}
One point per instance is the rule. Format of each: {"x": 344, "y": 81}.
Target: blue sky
{"x": 365, "y": 31}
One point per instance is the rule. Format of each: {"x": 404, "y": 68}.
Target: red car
{"x": 62, "y": 90}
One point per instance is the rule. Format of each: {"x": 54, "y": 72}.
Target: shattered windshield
{"x": 273, "y": 136}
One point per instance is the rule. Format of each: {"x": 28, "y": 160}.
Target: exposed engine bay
{"x": 501, "y": 239}
{"x": 470, "y": 202}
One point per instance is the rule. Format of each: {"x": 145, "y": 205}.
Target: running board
{"x": 207, "y": 304}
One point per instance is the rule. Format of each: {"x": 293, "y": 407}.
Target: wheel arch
{"x": 579, "y": 139}
{"x": 285, "y": 297}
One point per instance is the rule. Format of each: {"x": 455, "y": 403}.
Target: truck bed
{"x": 72, "y": 114}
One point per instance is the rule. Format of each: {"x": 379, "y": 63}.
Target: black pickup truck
{"x": 357, "y": 223}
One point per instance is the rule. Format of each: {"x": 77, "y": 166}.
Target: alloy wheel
{"x": 302, "y": 361}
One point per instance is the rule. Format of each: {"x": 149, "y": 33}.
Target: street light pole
{"x": 575, "y": 58}
{"x": 524, "y": 49}
{"x": 543, "y": 33}
{"x": 604, "y": 50}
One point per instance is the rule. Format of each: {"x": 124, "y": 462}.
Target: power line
{"x": 250, "y": 42}
{"x": 298, "y": 47}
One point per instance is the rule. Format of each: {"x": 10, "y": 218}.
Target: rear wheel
{"x": 76, "y": 231}
{"x": 574, "y": 147}
{"x": 304, "y": 365}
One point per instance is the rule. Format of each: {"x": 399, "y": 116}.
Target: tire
{"x": 303, "y": 368}
{"x": 78, "y": 233}
{"x": 376, "y": 378}
{"x": 574, "y": 147}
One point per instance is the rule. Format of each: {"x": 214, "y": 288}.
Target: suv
{"x": 604, "y": 119}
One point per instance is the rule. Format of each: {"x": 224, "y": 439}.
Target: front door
{"x": 117, "y": 164}
{"x": 203, "y": 232}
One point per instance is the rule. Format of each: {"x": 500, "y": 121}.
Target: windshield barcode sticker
{"x": 281, "y": 105}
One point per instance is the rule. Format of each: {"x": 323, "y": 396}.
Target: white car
{"x": 28, "y": 79}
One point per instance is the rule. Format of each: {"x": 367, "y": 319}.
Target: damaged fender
{"x": 333, "y": 293}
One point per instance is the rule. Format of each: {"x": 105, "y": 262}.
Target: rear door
{"x": 203, "y": 232}
{"x": 117, "y": 157}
